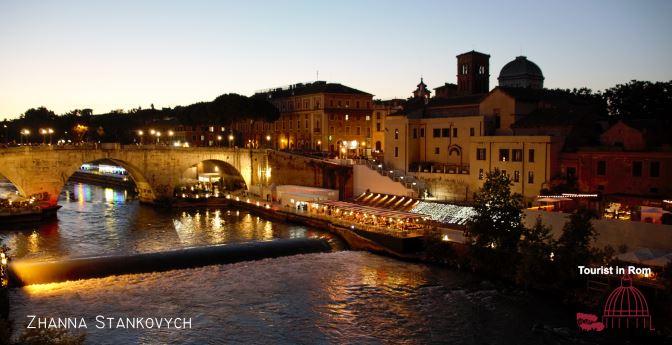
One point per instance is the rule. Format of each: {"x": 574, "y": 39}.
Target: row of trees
{"x": 502, "y": 246}
{"x": 118, "y": 125}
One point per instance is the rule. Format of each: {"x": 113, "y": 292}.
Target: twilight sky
{"x": 122, "y": 54}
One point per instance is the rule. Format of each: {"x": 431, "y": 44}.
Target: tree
{"x": 536, "y": 254}
{"x": 640, "y": 100}
{"x": 495, "y": 228}
{"x": 575, "y": 246}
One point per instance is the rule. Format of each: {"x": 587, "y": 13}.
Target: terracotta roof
{"x": 313, "y": 88}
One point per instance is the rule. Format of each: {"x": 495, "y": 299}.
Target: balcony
{"x": 438, "y": 168}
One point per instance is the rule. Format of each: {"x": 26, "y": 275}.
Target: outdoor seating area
{"x": 396, "y": 223}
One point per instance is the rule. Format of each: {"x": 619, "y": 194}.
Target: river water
{"x": 342, "y": 297}
{"x": 102, "y": 221}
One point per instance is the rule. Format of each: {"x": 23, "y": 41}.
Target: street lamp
{"x": 44, "y": 135}
{"x": 171, "y": 133}
{"x": 140, "y": 134}
{"x": 158, "y": 137}
{"x": 50, "y": 131}
{"x": 24, "y": 132}
{"x": 231, "y": 139}
{"x": 219, "y": 140}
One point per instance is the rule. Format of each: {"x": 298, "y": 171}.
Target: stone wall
{"x": 611, "y": 232}
{"x": 289, "y": 169}
{"x": 449, "y": 187}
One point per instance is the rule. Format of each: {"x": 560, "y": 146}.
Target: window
{"x": 530, "y": 177}
{"x": 377, "y": 126}
{"x": 422, "y": 132}
{"x": 368, "y": 132}
{"x": 571, "y": 172}
{"x": 347, "y": 129}
{"x": 445, "y": 132}
{"x": 357, "y": 104}
{"x": 436, "y": 150}
{"x": 212, "y": 129}
{"x": 396, "y": 151}
{"x": 481, "y": 69}
{"x": 654, "y": 169}
{"x": 480, "y": 174}
{"x": 516, "y": 176}
{"x": 347, "y": 117}
{"x": 454, "y": 132}
{"x": 472, "y": 132}
{"x": 415, "y": 133}
{"x": 636, "y": 169}
{"x": 517, "y": 155}
{"x": 465, "y": 68}
{"x": 601, "y": 168}
{"x": 396, "y": 134}
{"x": 368, "y": 117}
{"x": 437, "y": 132}
{"x": 480, "y": 154}
{"x": 378, "y": 115}
{"x": 503, "y": 155}
{"x": 530, "y": 156}
{"x": 653, "y": 190}
{"x": 358, "y": 130}
{"x": 306, "y": 124}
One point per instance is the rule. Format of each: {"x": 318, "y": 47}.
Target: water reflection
{"x": 98, "y": 221}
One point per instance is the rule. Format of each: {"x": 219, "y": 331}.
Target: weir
{"x": 26, "y": 272}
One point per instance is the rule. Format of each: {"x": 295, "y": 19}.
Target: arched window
{"x": 379, "y": 146}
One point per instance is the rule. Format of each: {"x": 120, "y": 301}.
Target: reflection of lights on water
{"x": 109, "y": 195}
{"x": 33, "y": 242}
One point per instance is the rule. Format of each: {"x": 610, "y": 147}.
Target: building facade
{"x": 317, "y": 116}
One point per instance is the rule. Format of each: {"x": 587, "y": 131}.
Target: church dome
{"x": 521, "y": 72}
{"x": 626, "y": 307}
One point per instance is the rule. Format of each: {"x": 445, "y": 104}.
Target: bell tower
{"x": 473, "y": 73}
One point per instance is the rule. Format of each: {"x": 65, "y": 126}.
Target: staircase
{"x": 415, "y": 186}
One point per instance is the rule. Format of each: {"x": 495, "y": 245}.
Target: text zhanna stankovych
{"x": 101, "y": 322}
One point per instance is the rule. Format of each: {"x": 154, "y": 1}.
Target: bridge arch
{"x": 144, "y": 188}
{"x": 217, "y": 173}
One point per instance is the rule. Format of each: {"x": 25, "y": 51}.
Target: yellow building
{"x": 529, "y": 161}
{"x": 316, "y": 116}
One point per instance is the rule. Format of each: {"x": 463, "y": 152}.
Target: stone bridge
{"x": 42, "y": 171}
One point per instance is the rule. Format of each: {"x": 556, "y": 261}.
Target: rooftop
{"x": 309, "y": 89}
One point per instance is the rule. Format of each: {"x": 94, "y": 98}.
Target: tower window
{"x": 465, "y": 68}
{"x": 481, "y": 70}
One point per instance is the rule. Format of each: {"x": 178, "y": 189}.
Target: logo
{"x": 626, "y": 307}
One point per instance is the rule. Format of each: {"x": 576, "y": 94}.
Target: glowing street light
{"x": 231, "y": 139}
{"x": 24, "y": 132}
{"x": 171, "y": 133}
{"x": 140, "y": 134}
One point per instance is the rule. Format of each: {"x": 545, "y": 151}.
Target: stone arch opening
{"x": 109, "y": 172}
{"x": 210, "y": 177}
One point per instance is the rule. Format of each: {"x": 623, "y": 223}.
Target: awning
{"x": 374, "y": 211}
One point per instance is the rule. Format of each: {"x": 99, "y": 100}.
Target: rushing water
{"x": 337, "y": 298}
{"x": 100, "y": 221}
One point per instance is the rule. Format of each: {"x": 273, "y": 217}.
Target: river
{"x": 329, "y": 298}
{"x": 103, "y": 221}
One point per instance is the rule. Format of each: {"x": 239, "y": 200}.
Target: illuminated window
{"x": 368, "y": 117}
{"x": 481, "y": 69}
{"x": 516, "y": 176}
{"x": 480, "y": 174}
{"x": 517, "y": 155}
{"x": 347, "y": 117}
{"x": 503, "y": 155}
{"x": 396, "y": 134}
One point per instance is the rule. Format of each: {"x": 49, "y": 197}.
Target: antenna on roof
{"x": 317, "y": 75}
